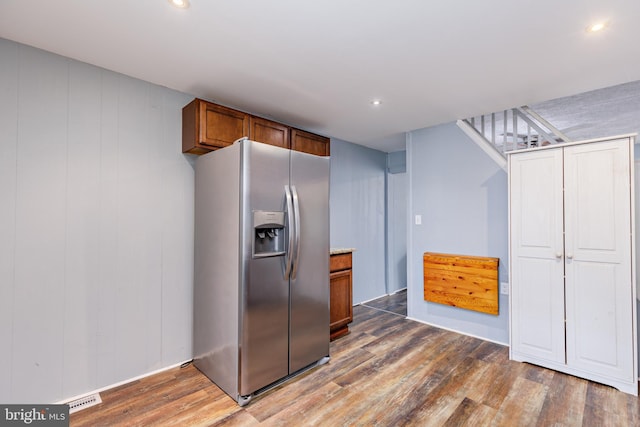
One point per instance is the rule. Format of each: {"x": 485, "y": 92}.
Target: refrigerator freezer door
{"x": 309, "y": 326}
{"x": 264, "y": 303}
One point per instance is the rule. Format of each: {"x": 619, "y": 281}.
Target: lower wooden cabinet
{"x": 341, "y": 296}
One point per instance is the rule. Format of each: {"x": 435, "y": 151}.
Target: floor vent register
{"x": 84, "y": 402}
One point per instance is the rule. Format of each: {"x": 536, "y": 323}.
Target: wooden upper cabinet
{"x": 309, "y": 143}
{"x": 207, "y": 126}
{"x": 263, "y": 130}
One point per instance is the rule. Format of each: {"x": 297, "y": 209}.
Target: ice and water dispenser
{"x": 268, "y": 229}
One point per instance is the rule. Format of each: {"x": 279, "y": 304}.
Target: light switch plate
{"x": 418, "y": 219}
{"x": 504, "y": 288}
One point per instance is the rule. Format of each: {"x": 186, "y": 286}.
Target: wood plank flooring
{"x": 394, "y": 303}
{"x": 389, "y": 371}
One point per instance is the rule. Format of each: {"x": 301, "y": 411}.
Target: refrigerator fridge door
{"x": 264, "y": 293}
{"x": 309, "y": 331}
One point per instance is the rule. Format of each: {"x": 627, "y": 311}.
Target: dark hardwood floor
{"x": 394, "y": 303}
{"x": 389, "y": 371}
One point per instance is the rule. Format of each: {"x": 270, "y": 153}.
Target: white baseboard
{"x": 381, "y": 296}
{"x": 458, "y": 332}
{"x": 148, "y": 374}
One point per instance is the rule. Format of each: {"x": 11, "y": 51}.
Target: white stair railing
{"x": 490, "y": 149}
{"x": 509, "y": 130}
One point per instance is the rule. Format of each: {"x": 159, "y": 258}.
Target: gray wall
{"x": 462, "y": 197}
{"x": 96, "y": 227}
{"x": 397, "y": 186}
{"x": 358, "y": 214}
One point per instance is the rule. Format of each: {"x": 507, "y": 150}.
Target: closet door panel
{"x": 537, "y": 286}
{"x": 599, "y": 336}
{"x": 597, "y": 191}
{"x": 536, "y": 204}
{"x": 598, "y": 259}
{"x": 538, "y": 324}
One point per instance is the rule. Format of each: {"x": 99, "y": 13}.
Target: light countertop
{"x": 338, "y": 251}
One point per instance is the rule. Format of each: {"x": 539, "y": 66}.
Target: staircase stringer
{"x": 483, "y": 143}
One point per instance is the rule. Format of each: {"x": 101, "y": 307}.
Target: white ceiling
{"x": 318, "y": 64}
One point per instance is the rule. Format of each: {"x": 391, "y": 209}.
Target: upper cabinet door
{"x": 309, "y": 143}
{"x": 598, "y": 258}
{"x": 207, "y": 126}
{"x": 223, "y": 126}
{"x": 269, "y": 132}
{"x": 537, "y": 285}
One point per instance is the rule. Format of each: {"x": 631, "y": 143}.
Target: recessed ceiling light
{"x": 376, "y": 102}
{"x": 182, "y": 4}
{"x": 598, "y": 26}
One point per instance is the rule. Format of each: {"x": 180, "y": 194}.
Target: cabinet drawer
{"x": 340, "y": 262}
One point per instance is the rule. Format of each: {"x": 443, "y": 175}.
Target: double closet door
{"x": 571, "y": 267}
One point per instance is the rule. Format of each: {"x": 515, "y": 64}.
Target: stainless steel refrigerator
{"x": 261, "y": 295}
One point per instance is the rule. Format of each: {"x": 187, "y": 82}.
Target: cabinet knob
{"x": 558, "y": 255}
{"x": 569, "y": 255}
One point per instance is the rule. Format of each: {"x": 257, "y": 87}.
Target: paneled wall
{"x": 396, "y": 232}
{"x": 358, "y": 214}
{"x": 96, "y": 227}
{"x": 397, "y": 189}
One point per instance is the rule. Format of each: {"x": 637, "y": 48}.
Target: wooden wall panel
{"x": 154, "y": 192}
{"x": 107, "y": 310}
{"x": 81, "y": 249}
{"x": 177, "y": 185}
{"x": 139, "y": 247}
{"x": 8, "y": 157}
{"x": 462, "y": 281}
{"x": 96, "y": 225}
{"x": 38, "y": 323}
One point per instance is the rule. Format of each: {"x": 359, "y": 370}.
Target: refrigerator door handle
{"x": 290, "y": 224}
{"x": 296, "y": 210}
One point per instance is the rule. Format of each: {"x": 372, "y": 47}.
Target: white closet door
{"x": 537, "y": 285}
{"x": 598, "y": 259}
